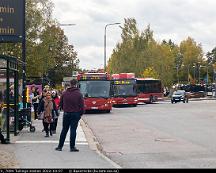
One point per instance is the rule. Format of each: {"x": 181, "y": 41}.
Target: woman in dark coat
{"x": 49, "y": 110}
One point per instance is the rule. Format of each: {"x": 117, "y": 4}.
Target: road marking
{"x": 80, "y": 134}
{"x": 49, "y": 142}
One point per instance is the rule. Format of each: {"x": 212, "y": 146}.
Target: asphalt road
{"x": 161, "y": 135}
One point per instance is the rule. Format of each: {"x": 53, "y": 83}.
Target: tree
{"x": 150, "y": 73}
{"x": 47, "y": 47}
{"x": 192, "y": 56}
{"x": 139, "y": 50}
{"x": 211, "y": 56}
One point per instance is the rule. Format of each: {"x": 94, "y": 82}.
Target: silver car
{"x": 178, "y": 96}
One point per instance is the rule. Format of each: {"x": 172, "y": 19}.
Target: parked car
{"x": 197, "y": 94}
{"x": 178, "y": 96}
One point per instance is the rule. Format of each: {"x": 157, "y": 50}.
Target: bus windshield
{"x": 124, "y": 90}
{"x": 95, "y": 89}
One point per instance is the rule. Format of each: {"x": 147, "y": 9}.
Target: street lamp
{"x": 188, "y": 71}
{"x": 105, "y": 42}
{"x": 177, "y": 68}
{"x": 66, "y": 24}
{"x": 194, "y": 66}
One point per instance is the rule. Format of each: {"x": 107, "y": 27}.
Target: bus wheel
{"x": 107, "y": 111}
{"x": 151, "y": 100}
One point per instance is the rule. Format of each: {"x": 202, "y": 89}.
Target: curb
{"x": 95, "y": 145}
{"x": 194, "y": 99}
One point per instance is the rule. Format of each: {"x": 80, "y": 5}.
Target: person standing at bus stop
{"x": 72, "y": 103}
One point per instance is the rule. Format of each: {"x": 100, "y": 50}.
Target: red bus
{"x": 149, "y": 90}
{"x": 96, "y": 90}
{"x": 124, "y": 89}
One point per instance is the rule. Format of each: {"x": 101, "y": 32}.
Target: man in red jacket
{"x": 72, "y": 103}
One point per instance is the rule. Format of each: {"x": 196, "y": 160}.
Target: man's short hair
{"x": 73, "y": 82}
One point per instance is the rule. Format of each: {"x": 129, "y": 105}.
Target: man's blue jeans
{"x": 70, "y": 120}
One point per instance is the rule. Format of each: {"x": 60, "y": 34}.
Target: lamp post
{"x": 201, "y": 66}
{"x": 188, "y": 73}
{"x": 194, "y": 66}
{"x": 177, "y": 68}
{"x": 67, "y": 24}
{"x": 105, "y": 42}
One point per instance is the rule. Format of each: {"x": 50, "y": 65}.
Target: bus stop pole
{"x": 7, "y": 102}
{"x": 15, "y": 102}
{"x": 24, "y": 57}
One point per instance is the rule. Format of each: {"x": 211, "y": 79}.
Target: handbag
{"x": 41, "y": 116}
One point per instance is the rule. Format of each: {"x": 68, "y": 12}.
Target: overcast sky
{"x": 169, "y": 19}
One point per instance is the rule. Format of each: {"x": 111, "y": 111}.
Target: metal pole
{"x": 24, "y": 56}
{"x": 105, "y": 48}
{"x": 8, "y": 102}
{"x": 178, "y": 73}
{"x": 15, "y": 102}
{"x": 105, "y": 43}
{"x": 195, "y": 74}
{"x": 67, "y": 24}
{"x": 188, "y": 74}
{"x": 199, "y": 73}
{"x": 207, "y": 76}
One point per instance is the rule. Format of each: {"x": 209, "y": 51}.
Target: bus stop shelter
{"x": 9, "y": 95}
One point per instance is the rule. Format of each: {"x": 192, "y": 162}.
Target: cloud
{"x": 169, "y": 19}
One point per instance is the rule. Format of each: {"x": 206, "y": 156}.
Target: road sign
{"x": 11, "y": 20}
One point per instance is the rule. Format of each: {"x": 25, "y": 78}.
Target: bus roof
{"x": 146, "y": 79}
{"x": 123, "y": 76}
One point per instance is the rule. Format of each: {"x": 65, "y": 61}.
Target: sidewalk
{"x": 33, "y": 150}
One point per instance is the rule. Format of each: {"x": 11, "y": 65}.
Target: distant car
{"x": 198, "y": 94}
{"x": 178, "y": 96}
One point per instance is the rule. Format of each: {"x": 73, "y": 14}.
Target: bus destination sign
{"x": 92, "y": 77}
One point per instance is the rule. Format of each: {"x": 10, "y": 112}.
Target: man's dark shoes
{"x": 58, "y": 149}
{"x": 74, "y": 149}
{"x": 5, "y": 142}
